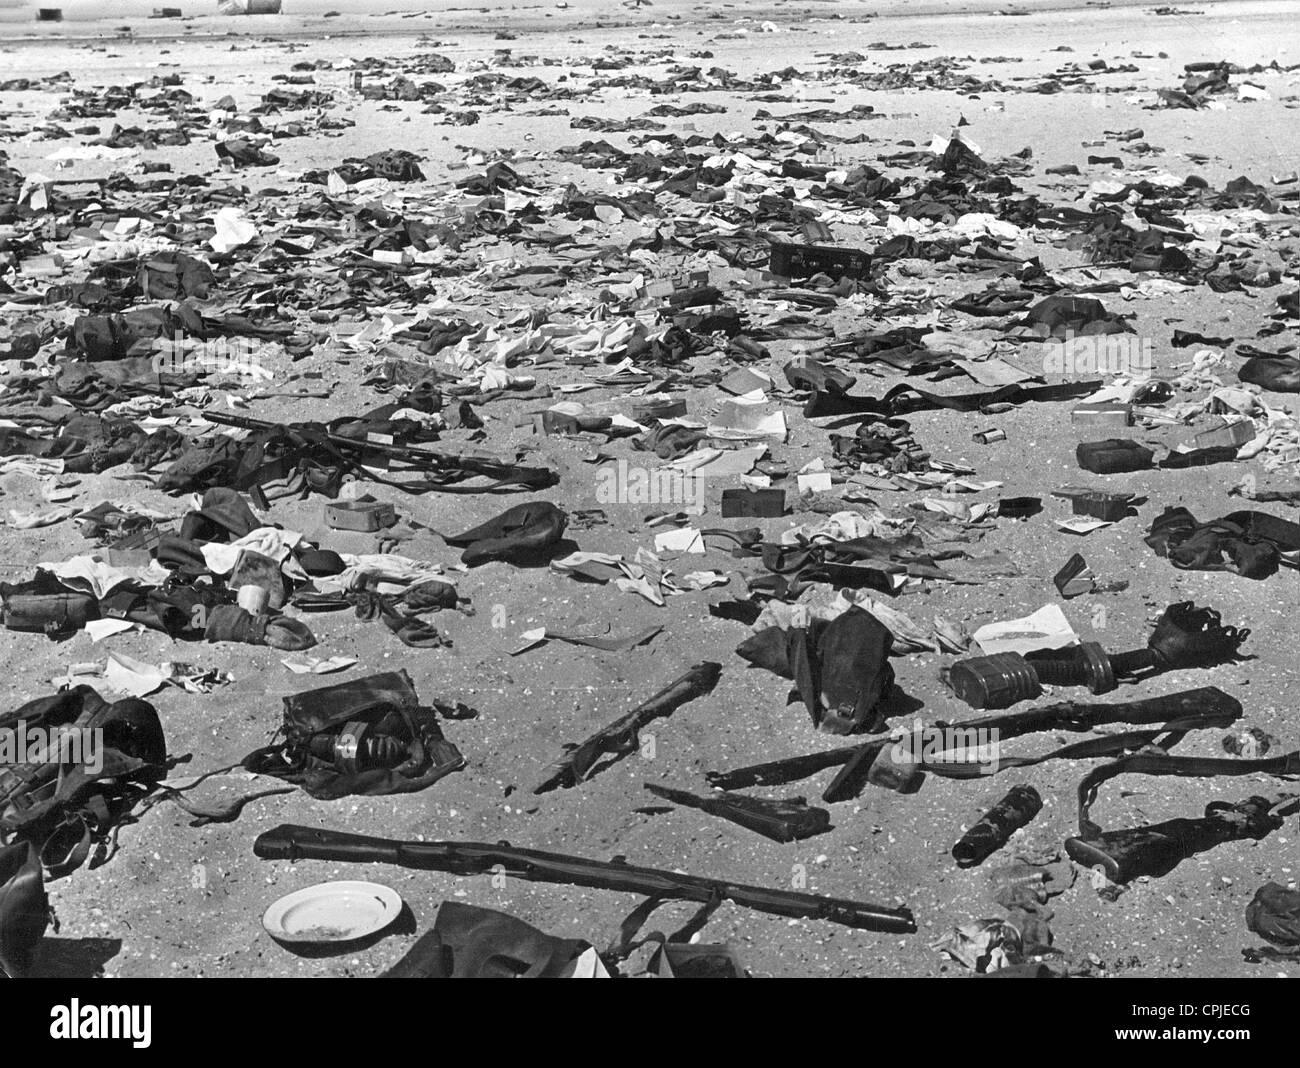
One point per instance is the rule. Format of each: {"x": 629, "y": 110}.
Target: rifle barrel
{"x": 289, "y": 842}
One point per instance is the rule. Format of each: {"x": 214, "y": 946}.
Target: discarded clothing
{"x": 840, "y": 668}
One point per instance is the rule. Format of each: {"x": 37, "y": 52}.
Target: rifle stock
{"x": 289, "y": 842}
{"x": 620, "y": 737}
{"x": 1155, "y": 850}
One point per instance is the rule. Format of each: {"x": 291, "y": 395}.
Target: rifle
{"x": 1157, "y": 763}
{"x": 620, "y": 737}
{"x": 288, "y": 842}
{"x": 855, "y": 761}
{"x": 420, "y": 459}
{"x": 786, "y": 819}
{"x": 1156, "y": 849}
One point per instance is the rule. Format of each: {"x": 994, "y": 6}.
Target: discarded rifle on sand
{"x": 288, "y": 842}
{"x": 1210, "y": 704}
{"x": 620, "y": 737}
{"x": 360, "y": 451}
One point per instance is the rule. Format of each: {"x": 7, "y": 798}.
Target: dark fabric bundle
{"x": 275, "y": 461}
{"x": 45, "y": 606}
{"x": 395, "y": 164}
{"x": 410, "y": 629}
{"x": 179, "y": 610}
{"x": 244, "y": 153}
{"x": 1274, "y": 914}
{"x": 396, "y": 744}
{"x": 519, "y": 533}
{"x": 181, "y": 554}
{"x": 840, "y": 668}
{"x": 468, "y": 942}
{"x": 1279, "y": 374}
{"x": 1079, "y": 315}
{"x": 673, "y": 346}
{"x": 431, "y": 595}
{"x": 814, "y": 377}
{"x": 133, "y": 750}
{"x": 174, "y": 276}
{"x": 1252, "y": 544}
{"x": 230, "y": 623}
{"x": 224, "y": 516}
{"x": 63, "y": 803}
{"x": 132, "y": 333}
{"x": 320, "y": 562}
{"x": 669, "y": 441}
{"x": 887, "y": 442}
{"x": 859, "y": 563}
{"x": 442, "y": 334}
{"x": 24, "y": 908}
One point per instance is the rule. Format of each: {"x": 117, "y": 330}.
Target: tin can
{"x": 252, "y": 599}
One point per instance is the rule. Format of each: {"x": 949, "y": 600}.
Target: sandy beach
{"x": 175, "y": 900}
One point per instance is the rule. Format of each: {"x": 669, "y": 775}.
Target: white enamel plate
{"x": 332, "y": 912}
